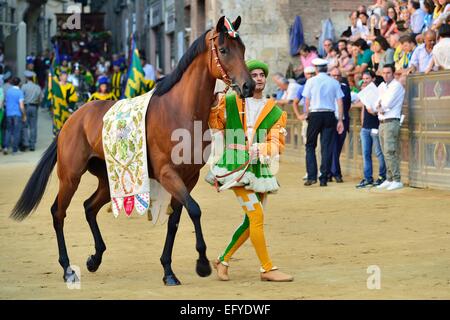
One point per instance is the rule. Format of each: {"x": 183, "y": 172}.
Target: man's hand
{"x": 24, "y": 118}
{"x": 253, "y": 152}
{"x": 340, "y": 127}
{"x": 379, "y": 109}
{"x": 302, "y": 117}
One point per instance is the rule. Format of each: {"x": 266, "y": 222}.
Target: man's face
{"x": 259, "y": 77}
{"x": 63, "y": 77}
{"x": 367, "y": 79}
{"x": 341, "y": 45}
{"x": 393, "y": 41}
{"x": 407, "y": 46}
{"x": 335, "y": 74}
{"x": 327, "y": 46}
{"x": 388, "y": 75}
{"x": 430, "y": 40}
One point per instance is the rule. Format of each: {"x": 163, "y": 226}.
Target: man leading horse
{"x": 254, "y": 134}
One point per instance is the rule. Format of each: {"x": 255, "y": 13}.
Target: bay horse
{"x": 184, "y": 96}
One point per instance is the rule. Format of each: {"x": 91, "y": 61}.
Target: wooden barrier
{"x": 425, "y": 135}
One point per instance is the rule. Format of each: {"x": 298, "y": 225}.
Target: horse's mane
{"x": 197, "y": 47}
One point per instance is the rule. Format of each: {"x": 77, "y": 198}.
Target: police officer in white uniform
{"x": 321, "y": 93}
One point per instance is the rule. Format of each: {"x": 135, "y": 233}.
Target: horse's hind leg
{"x": 166, "y": 258}
{"x": 67, "y": 188}
{"x": 92, "y": 206}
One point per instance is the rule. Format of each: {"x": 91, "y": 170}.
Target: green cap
{"x": 257, "y": 64}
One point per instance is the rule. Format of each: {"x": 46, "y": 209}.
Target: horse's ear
{"x": 237, "y": 23}
{"x": 220, "y": 25}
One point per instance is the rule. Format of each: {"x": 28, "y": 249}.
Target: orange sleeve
{"x": 275, "y": 140}
{"x": 217, "y": 116}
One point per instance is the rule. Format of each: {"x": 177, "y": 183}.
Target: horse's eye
{"x": 223, "y": 50}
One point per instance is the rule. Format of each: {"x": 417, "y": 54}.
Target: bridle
{"x": 230, "y": 83}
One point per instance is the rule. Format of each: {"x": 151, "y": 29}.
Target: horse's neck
{"x": 195, "y": 91}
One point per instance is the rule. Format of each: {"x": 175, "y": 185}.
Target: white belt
{"x": 322, "y": 110}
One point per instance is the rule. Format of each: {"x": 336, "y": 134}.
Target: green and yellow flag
{"x": 60, "y": 105}
{"x": 136, "y": 82}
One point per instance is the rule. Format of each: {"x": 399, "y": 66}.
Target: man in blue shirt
{"x": 15, "y": 115}
{"x": 417, "y": 16}
{"x": 321, "y": 94}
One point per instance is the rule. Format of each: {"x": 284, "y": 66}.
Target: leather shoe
{"x": 310, "y": 182}
{"x": 323, "y": 183}
{"x": 338, "y": 179}
{"x": 276, "y": 276}
{"x": 222, "y": 270}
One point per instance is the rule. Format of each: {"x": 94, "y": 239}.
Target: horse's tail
{"x": 34, "y": 190}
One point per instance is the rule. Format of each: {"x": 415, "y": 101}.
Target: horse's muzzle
{"x": 248, "y": 88}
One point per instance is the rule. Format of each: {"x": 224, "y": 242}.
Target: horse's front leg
{"x": 172, "y": 182}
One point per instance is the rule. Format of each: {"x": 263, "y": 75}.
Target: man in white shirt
{"x": 423, "y": 55}
{"x": 389, "y": 109}
{"x": 441, "y": 51}
{"x": 149, "y": 70}
{"x": 290, "y": 89}
{"x": 321, "y": 93}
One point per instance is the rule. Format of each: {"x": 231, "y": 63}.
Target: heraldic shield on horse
{"x": 127, "y": 145}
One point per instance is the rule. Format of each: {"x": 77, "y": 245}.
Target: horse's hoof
{"x": 92, "y": 264}
{"x": 70, "y": 276}
{"x": 203, "y": 268}
{"x": 171, "y": 280}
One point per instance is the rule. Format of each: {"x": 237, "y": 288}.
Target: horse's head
{"x": 227, "y": 57}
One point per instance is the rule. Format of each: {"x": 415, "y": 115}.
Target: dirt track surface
{"x": 325, "y": 237}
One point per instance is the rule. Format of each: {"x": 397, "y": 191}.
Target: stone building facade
{"x": 164, "y": 29}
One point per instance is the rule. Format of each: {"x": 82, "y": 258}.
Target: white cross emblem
{"x": 249, "y": 205}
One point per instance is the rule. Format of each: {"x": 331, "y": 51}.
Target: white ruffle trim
{"x": 249, "y": 180}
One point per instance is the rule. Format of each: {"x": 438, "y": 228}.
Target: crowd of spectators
{"x": 412, "y": 35}
{"x": 402, "y": 37}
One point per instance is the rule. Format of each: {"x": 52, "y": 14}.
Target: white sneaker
{"x": 395, "y": 185}
{"x": 385, "y": 184}
{"x": 305, "y": 177}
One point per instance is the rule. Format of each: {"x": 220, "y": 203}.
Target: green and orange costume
{"x": 245, "y": 166}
